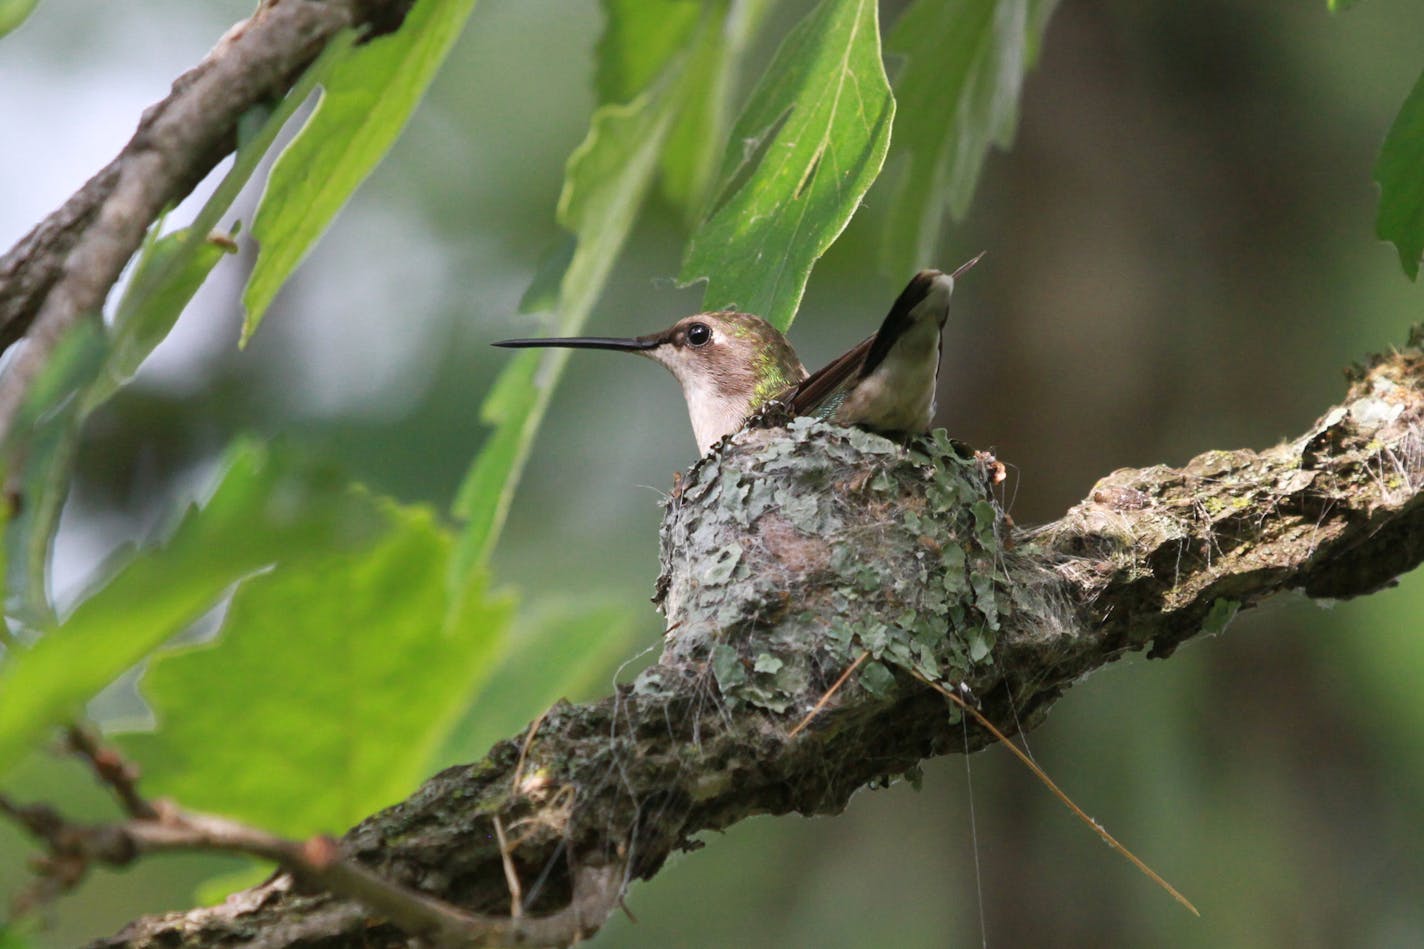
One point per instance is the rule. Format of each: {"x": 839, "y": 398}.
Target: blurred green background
{"x": 1181, "y": 258}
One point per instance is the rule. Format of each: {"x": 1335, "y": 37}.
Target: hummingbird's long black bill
{"x": 631, "y": 345}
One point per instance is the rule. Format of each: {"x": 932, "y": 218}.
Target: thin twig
{"x": 119, "y": 774}
{"x": 1058, "y": 792}
{"x": 835, "y": 687}
{"x": 317, "y": 861}
{"x": 511, "y": 875}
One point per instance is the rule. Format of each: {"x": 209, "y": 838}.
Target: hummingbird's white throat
{"x": 710, "y": 406}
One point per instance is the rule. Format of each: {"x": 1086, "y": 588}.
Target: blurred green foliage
{"x": 265, "y": 512}
{"x": 1398, "y": 171}
{"x": 961, "y": 69}
{"x": 320, "y": 662}
{"x": 1181, "y": 259}
{"x": 12, "y": 14}
{"x": 809, "y": 142}
{"x": 368, "y": 94}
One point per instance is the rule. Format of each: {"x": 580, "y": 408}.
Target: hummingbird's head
{"x": 728, "y": 364}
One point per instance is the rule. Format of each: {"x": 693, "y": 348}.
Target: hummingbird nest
{"x": 789, "y": 554}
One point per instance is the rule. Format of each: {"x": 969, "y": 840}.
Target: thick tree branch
{"x": 73, "y": 848}
{"x": 1152, "y": 556}
{"x": 313, "y": 864}
{"x": 65, "y": 267}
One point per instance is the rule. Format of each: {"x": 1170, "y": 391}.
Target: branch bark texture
{"x": 765, "y": 608}
{"x": 66, "y": 266}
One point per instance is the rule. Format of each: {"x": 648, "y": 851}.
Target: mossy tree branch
{"x": 766, "y": 612}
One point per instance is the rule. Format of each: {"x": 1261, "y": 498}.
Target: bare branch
{"x": 65, "y": 267}
{"x": 317, "y": 863}
{"x": 120, "y": 775}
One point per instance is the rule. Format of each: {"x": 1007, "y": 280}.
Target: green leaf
{"x": 1400, "y": 173}
{"x": 256, "y": 131}
{"x": 166, "y": 270}
{"x": 1337, "y": 5}
{"x": 640, "y": 38}
{"x": 368, "y": 94}
{"x": 690, "y": 158}
{"x": 45, "y": 438}
{"x": 607, "y": 177}
{"x": 604, "y": 185}
{"x": 12, "y": 939}
{"x": 513, "y": 408}
{"x": 803, "y": 153}
{"x": 543, "y": 290}
{"x": 88, "y": 368}
{"x": 15, "y": 12}
{"x": 266, "y": 510}
{"x": 168, "y": 274}
{"x": 963, "y": 66}
{"x": 346, "y": 670}
{"x": 567, "y": 653}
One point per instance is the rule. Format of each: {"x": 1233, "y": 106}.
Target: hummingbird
{"x": 731, "y": 365}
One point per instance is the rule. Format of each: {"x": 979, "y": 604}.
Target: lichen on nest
{"x": 789, "y": 552}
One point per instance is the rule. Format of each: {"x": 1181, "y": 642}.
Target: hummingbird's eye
{"x": 698, "y": 334}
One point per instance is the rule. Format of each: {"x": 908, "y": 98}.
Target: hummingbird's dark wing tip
{"x": 901, "y": 318}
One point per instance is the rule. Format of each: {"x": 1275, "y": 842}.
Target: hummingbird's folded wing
{"x": 820, "y": 392}
{"x": 823, "y": 391}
